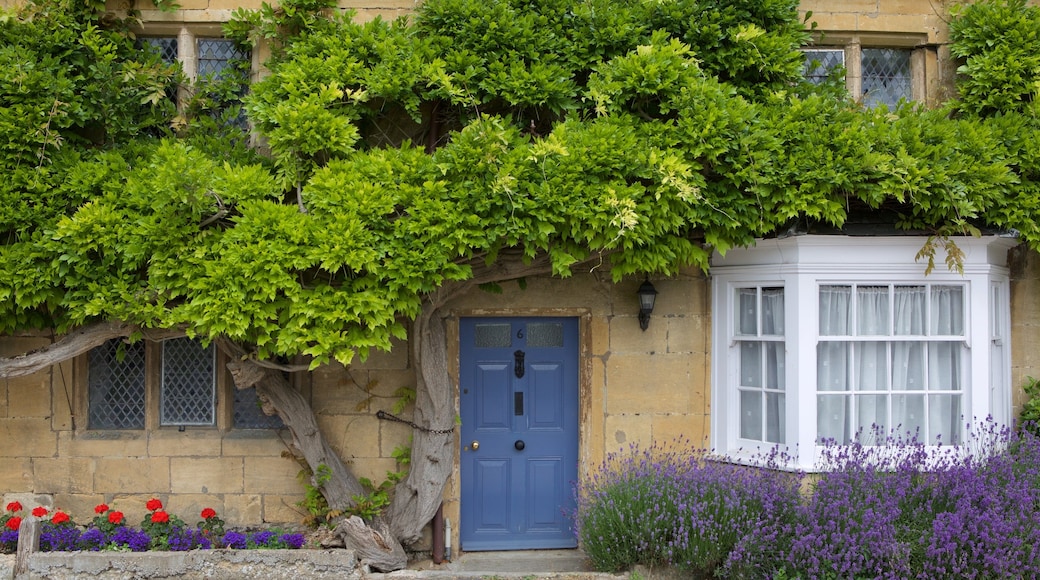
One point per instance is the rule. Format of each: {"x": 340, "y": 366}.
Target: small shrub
{"x": 675, "y": 506}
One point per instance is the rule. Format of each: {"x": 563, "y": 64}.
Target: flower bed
{"x": 899, "y": 510}
{"x": 158, "y": 531}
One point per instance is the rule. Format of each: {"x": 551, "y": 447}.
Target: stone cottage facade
{"x": 681, "y": 377}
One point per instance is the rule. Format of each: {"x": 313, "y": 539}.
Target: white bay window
{"x": 821, "y": 339}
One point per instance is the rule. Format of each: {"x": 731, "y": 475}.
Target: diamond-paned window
{"x": 166, "y": 46}
{"x": 249, "y": 415}
{"x": 216, "y": 54}
{"x": 886, "y": 76}
{"x": 188, "y": 388}
{"x": 820, "y": 63}
{"x": 115, "y": 386}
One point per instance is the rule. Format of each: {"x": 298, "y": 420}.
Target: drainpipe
{"x": 438, "y": 535}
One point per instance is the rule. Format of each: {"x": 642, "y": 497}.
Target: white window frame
{"x": 801, "y": 264}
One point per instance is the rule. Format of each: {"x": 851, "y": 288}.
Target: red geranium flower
{"x": 39, "y": 511}
{"x": 100, "y": 508}
{"x": 115, "y": 518}
{"x": 208, "y": 513}
{"x": 14, "y": 507}
{"x": 60, "y": 517}
{"x": 160, "y": 517}
{"x": 153, "y": 505}
{"x": 14, "y": 522}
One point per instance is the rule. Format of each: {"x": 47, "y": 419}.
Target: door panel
{"x": 519, "y": 401}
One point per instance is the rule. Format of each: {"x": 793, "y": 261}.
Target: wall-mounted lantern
{"x": 647, "y": 297}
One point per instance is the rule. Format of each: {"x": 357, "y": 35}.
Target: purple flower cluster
{"x": 291, "y": 541}
{"x": 133, "y": 539}
{"x": 58, "y": 538}
{"x": 893, "y": 508}
{"x": 184, "y": 539}
{"x": 671, "y": 505}
{"x": 234, "y": 539}
{"x": 262, "y": 539}
{"x": 8, "y": 541}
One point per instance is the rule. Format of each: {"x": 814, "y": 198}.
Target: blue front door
{"x": 518, "y": 387}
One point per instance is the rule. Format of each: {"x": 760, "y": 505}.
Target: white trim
{"x": 801, "y": 264}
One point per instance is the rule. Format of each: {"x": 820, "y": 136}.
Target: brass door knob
{"x": 475, "y": 445}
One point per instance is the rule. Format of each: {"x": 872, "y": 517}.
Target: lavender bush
{"x": 898, "y": 508}
{"x": 675, "y": 506}
{"x": 894, "y": 508}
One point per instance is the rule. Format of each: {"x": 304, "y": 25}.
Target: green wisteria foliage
{"x": 629, "y": 135}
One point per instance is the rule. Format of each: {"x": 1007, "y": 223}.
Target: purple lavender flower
{"x": 233, "y": 539}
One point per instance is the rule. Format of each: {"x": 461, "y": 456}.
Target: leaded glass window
{"x": 886, "y": 76}
{"x": 116, "y": 386}
{"x": 820, "y": 63}
{"x": 165, "y": 46}
{"x": 216, "y": 55}
{"x": 249, "y": 415}
{"x": 188, "y": 388}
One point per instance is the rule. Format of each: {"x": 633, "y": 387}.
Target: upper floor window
{"x": 874, "y": 75}
{"x": 821, "y": 339}
{"x": 173, "y": 383}
{"x": 205, "y": 59}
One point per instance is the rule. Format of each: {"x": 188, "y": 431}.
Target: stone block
{"x": 132, "y": 475}
{"x": 189, "y": 506}
{"x": 283, "y": 509}
{"x": 627, "y": 337}
{"x": 692, "y": 429}
{"x": 351, "y": 436}
{"x": 27, "y": 438}
{"x": 375, "y": 469}
{"x": 16, "y": 475}
{"x": 679, "y": 297}
{"x": 626, "y": 430}
{"x": 69, "y": 475}
{"x": 61, "y": 411}
{"x": 398, "y": 357}
{"x": 79, "y": 506}
{"x": 343, "y": 398}
{"x": 206, "y": 475}
{"x": 103, "y": 444}
{"x": 599, "y": 336}
{"x": 386, "y": 383}
{"x": 243, "y": 509}
{"x": 190, "y": 442}
{"x": 133, "y": 505}
{"x": 16, "y": 345}
{"x": 232, "y": 4}
{"x": 29, "y": 501}
{"x": 1025, "y": 344}
{"x": 688, "y": 334}
{"x": 661, "y": 384}
{"x": 252, "y": 442}
{"x": 30, "y": 396}
{"x": 271, "y": 475}
{"x": 392, "y": 435}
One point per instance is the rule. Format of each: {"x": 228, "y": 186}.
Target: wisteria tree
{"x": 407, "y": 163}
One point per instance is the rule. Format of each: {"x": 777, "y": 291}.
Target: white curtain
{"x": 762, "y": 365}
{"x": 832, "y": 364}
{"x": 876, "y": 371}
